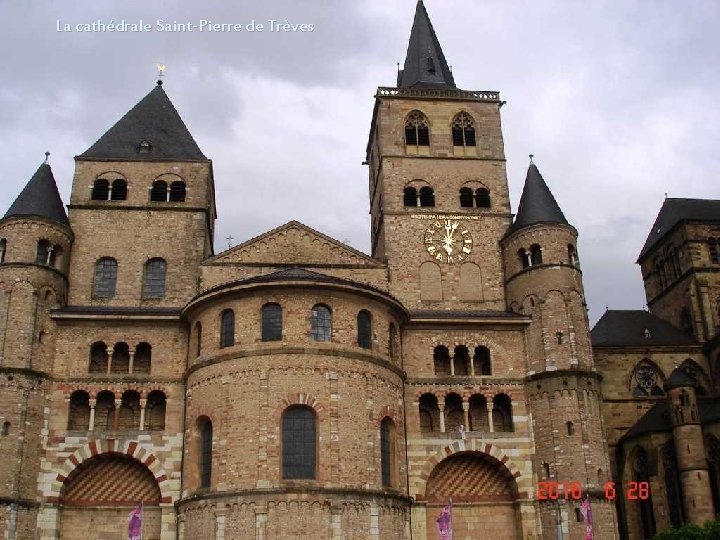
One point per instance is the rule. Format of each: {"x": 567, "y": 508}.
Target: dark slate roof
{"x": 675, "y": 210}
{"x": 677, "y": 379}
{"x": 657, "y": 419}
{"x": 154, "y": 120}
{"x": 425, "y": 63}
{"x": 618, "y": 328}
{"x": 40, "y": 197}
{"x": 537, "y": 204}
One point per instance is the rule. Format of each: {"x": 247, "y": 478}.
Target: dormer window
{"x": 144, "y": 147}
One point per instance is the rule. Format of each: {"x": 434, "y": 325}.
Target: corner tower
{"x": 543, "y": 280}
{"x": 438, "y": 187}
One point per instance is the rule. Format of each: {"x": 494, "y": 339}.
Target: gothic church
{"x": 292, "y": 386}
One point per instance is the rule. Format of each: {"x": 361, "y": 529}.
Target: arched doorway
{"x": 97, "y": 497}
{"x": 483, "y": 493}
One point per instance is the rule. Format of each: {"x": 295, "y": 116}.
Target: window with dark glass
{"x": 463, "y": 130}
{"x": 410, "y": 197}
{"x": 119, "y": 190}
{"x": 364, "y": 329}
{"x": 536, "y": 254}
{"x": 299, "y": 443}
{"x": 3, "y": 248}
{"x": 466, "y": 198}
{"x": 105, "y": 278}
{"x": 482, "y": 198}
{"x": 522, "y": 255}
{"x": 154, "y": 279}
{"x": 417, "y": 130}
{"x": 159, "y": 191}
{"x": 198, "y": 338}
{"x": 227, "y": 328}
{"x": 206, "y": 436}
{"x": 177, "y": 191}
{"x": 386, "y": 451}
{"x": 321, "y": 323}
{"x": 44, "y": 253}
{"x": 427, "y": 196}
{"x": 271, "y": 322}
{"x": 100, "y": 190}
{"x": 713, "y": 250}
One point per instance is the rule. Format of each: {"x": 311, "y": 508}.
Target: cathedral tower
{"x": 543, "y": 280}
{"x": 35, "y": 241}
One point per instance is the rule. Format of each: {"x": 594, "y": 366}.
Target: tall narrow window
{"x": 410, "y": 196}
{"x": 155, "y": 411}
{"x": 466, "y": 198}
{"x": 227, "y": 328}
{"x": 154, "y": 279}
{"x": 427, "y": 196}
{"x": 43, "y": 254}
{"x": 523, "y": 256}
{"x": 177, "y": 191}
{"x": 536, "y": 254}
{"x": 143, "y": 358}
{"x": 79, "y": 413}
{"x": 98, "y": 358}
{"x": 159, "y": 191}
{"x": 481, "y": 361}
{"x": 364, "y": 329}
{"x": 482, "y": 198}
{"x": 299, "y": 443}
{"x": 573, "y": 256}
{"x": 570, "y": 428}
{"x": 713, "y": 250}
{"x": 3, "y": 248}
{"x": 119, "y": 190}
{"x": 463, "y": 130}
{"x": 387, "y": 452}
{"x": 417, "y": 130}
{"x": 321, "y": 323}
{"x": 198, "y": 338}
{"x": 205, "y": 432}
{"x": 686, "y": 321}
{"x": 105, "y": 278}
{"x": 100, "y": 190}
{"x": 271, "y": 322}
{"x": 120, "y": 361}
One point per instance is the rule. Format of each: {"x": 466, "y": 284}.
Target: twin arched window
{"x": 271, "y": 322}
{"x": 227, "y": 328}
{"x": 299, "y": 443}
{"x": 154, "y": 278}
{"x": 105, "y": 278}
{"x": 161, "y": 192}
{"x": 425, "y": 196}
{"x": 103, "y": 191}
{"x": 321, "y": 323}
{"x": 480, "y": 198}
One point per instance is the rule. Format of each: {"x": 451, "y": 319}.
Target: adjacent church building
{"x": 293, "y": 386}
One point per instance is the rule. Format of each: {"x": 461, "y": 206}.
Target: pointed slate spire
{"x": 40, "y": 197}
{"x": 425, "y": 63}
{"x": 151, "y": 130}
{"x": 537, "y": 204}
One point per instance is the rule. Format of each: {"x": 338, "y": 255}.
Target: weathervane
{"x": 47, "y": 157}
{"x": 531, "y": 158}
{"x": 161, "y": 72}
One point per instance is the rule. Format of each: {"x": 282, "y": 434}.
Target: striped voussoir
{"x": 471, "y": 477}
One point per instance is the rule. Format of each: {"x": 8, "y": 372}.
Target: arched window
{"x": 427, "y": 196}
{"x": 686, "y": 321}
{"x": 478, "y": 414}
{"x": 44, "y": 253}
{"x": 646, "y": 381}
{"x": 120, "y": 358}
{"x": 364, "y": 329}
{"x": 673, "y": 486}
{"x": 454, "y": 414}
{"x": 271, "y": 322}
{"x": 227, "y": 328}
{"x": 105, "y": 278}
{"x": 482, "y": 198}
{"x": 159, "y": 191}
{"x": 417, "y": 130}
{"x": 536, "y": 254}
{"x": 177, "y": 191}
{"x": 198, "y": 338}
{"x": 387, "y": 452}
{"x": 523, "y": 256}
{"x": 98, "y": 358}
{"x": 154, "y": 279}
{"x": 466, "y": 198}
{"x": 100, "y": 190}
{"x": 502, "y": 413}
{"x": 155, "y": 411}
{"x": 559, "y": 337}
{"x": 205, "y": 435}
{"x": 461, "y": 360}
{"x": 481, "y": 361}
{"x": 441, "y": 360}
{"x": 713, "y": 250}
{"x": 299, "y": 443}
{"x": 105, "y": 411}
{"x": 570, "y": 428}
{"x": 119, "y": 190}
{"x": 129, "y": 417}
{"x": 410, "y": 196}
{"x": 321, "y": 323}
{"x": 639, "y": 463}
{"x": 3, "y": 249}
{"x": 5, "y": 430}
{"x": 429, "y": 411}
{"x": 573, "y": 256}
{"x": 142, "y": 359}
{"x": 79, "y": 413}
{"x": 463, "y": 130}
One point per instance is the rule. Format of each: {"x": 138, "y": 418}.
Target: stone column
{"x": 260, "y": 522}
{"x": 132, "y": 360}
{"x": 441, "y": 406}
{"x": 452, "y": 366}
{"x": 490, "y": 420}
{"x": 109, "y": 352}
{"x": 472, "y": 366}
{"x": 336, "y": 522}
{"x": 116, "y": 416}
{"x": 91, "y": 424}
{"x": 466, "y": 414}
{"x": 143, "y": 405}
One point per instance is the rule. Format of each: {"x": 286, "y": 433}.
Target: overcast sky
{"x": 617, "y": 100}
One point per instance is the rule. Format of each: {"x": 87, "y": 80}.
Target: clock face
{"x": 448, "y": 241}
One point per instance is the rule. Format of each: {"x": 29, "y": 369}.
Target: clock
{"x": 448, "y": 241}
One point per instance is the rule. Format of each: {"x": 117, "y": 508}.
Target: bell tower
{"x": 438, "y": 187}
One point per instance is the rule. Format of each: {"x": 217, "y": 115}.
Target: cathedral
{"x": 293, "y": 386}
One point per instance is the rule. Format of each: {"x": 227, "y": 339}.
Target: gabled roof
{"x": 425, "y": 63}
{"x": 40, "y": 197}
{"x": 618, "y": 328}
{"x": 674, "y": 211}
{"x": 537, "y": 204}
{"x": 155, "y": 121}
{"x": 656, "y": 420}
